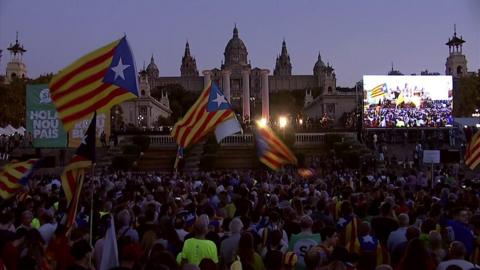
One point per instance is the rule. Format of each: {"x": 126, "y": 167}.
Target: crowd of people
{"x": 388, "y": 115}
{"x": 8, "y": 143}
{"x": 326, "y": 217}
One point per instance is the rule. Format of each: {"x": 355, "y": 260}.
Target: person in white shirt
{"x": 398, "y": 236}
{"x": 48, "y": 227}
{"x": 457, "y": 253}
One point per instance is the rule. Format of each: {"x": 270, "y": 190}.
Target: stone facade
{"x": 247, "y": 85}
{"x": 145, "y": 110}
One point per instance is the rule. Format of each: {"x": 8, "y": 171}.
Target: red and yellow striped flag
{"x": 377, "y": 91}
{"x": 95, "y": 82}
{"x": 472, "y": 154}
{"x": 210, "y": 112}
{"x": 271, "y": 150}
{"x": 74, "y": 173}
{"x": 14, "y": 176}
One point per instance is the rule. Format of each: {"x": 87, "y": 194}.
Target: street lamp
{"x": 262, "y": 123}
{"x": 282, "y": 121}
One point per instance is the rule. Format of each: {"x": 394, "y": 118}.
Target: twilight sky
{"x": 356, "y": 37}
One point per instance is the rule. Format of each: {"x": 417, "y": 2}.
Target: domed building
{"x": 248, "y": 88}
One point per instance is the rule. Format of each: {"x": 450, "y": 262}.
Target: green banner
{"x": 42, "y": 118}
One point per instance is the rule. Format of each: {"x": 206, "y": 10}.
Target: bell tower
{"x": 16, "y": 68}
{"x": 189, "y": 64}
{"x": 456, "y": 64}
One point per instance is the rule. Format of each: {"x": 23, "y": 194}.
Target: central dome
{"x": 235, "y": 51}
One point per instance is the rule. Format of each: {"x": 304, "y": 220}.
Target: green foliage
{"x": 469, "y": 96}
{"x": 143, "y": 142}
{"x": 13, "y": 101}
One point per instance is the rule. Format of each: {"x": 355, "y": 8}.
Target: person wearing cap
{"x": 300, "y": 243}
{"x": 229, "y": 246}
{"x": 197, "y": 248}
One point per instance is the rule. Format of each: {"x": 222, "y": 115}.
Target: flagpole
{"x": 92, "y": 176}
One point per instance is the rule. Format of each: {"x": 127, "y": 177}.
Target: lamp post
{"x": 282, "y": 121}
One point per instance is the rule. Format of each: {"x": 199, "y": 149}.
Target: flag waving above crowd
{"x": 271, "y": 150}
{"x": 74, "y": 173}
{"x": 210, "y": 112}
{"x": 95, "y": 82}
{"x": 472, "y": 153}
{"x": 14, "y": 176}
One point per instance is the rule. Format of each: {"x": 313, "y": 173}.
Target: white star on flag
{"x": 119, "y": 68}
{"x": 84, "y": 139}
{"x": 368, "y": 239}
{"x": 220, "y": 99}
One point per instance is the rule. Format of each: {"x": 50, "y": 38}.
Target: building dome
{"x": 152, "y": 69}
{"x": 235, "y": 51}
{"x": 319, "y": 64}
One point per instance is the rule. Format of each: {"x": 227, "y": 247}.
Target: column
{"x": 226, "y": 83}
{"x": 246, "y": 94}
{"x": 265, "y": 95}
{"x": 207, "y": 77}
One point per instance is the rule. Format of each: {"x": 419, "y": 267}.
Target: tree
{"x": 13, "y": 101}
{"x": 468, "y": 97}
{"x": 180, "y": 99}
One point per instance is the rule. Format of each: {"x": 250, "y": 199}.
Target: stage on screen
{"x": 407, "y": 101}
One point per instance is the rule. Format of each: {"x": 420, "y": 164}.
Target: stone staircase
{"x": 229, "y": 157}
{"x": 158, "y": 158}
{"x": 105, "y": 156}
{"x": 192, "y": 157}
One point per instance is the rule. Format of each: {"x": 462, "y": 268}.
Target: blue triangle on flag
{"x": 217, "y": 100}
{"x": 121, "y": 71}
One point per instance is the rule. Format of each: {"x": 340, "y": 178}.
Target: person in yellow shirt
{"x": 198, "y": 248}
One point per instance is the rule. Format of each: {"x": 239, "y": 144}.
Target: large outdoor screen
{"x": 407, "y": 101}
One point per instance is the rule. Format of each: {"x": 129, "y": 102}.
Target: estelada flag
{"x": 472, "y": 153}
{"x": 74, "y": 173}
{"x": 378, "y": 91}
{"x": 95, "y": 82}
{"x": 14, "y": 176}
{"x": 84, "y": 157}
{"x": 210, "y": 112}
{"x": 271, "y": 150}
